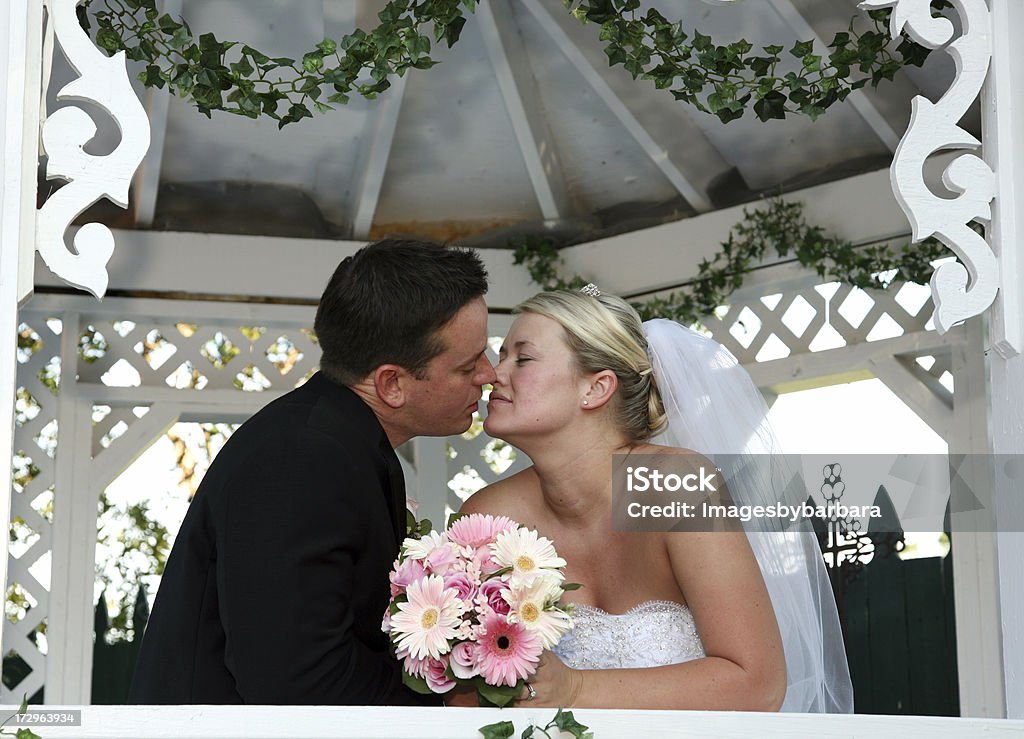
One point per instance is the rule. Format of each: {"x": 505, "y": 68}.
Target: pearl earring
{"x": 586, "y": 402}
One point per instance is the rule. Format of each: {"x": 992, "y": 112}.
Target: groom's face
{"x": 443, "y": 402}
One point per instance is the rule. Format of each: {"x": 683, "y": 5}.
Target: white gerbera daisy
{"x": 421, "y": 548}
{"x": 528, "y": 554}
{"x": 532, "y": 606}
{"x": 431, "y": 616}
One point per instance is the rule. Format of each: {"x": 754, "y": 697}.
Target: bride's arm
{"x": 744, "y": 668}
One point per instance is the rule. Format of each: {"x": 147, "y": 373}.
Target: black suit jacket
{"x": 278, "y": 580}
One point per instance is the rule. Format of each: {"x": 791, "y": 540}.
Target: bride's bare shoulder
{"x": 512, "y": 496}
{"x": 659, "y": 449}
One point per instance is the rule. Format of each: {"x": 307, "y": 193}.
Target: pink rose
{"x": 462, "y": 584}
{"x": 436, "y": 675}
{"x": 405, "y": 575}
{"x": 463, "y": 657}
{"x": 494, "y": 591}
{"x": 385, "y": 625}
{"x": 485, "y": 560}
{"x": 441, "y": 559}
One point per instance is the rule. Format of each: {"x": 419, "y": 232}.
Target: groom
{"x": 278, "y": 580}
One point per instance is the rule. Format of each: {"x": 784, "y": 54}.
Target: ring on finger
{"x": 531, "y": 691}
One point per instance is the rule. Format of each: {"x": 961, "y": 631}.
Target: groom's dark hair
{"x": 386, "y": 303}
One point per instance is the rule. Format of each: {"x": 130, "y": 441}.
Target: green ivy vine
{"x": 778, "y": 228}
{"x": 724, "y": 80}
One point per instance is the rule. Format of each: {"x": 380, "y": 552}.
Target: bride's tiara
{"x": 591, "y": 289}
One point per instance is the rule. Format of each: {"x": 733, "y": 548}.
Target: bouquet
{"x": 476, "y": 605}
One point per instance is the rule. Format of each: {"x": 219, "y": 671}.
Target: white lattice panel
{"x": 184, "y": 354}
{"x": 817, "y": 317}
{"x": 35, "y": 446}
{"x": 128, "y": 378}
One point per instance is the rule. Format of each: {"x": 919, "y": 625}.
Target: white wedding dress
{"x": 654, "y": 633}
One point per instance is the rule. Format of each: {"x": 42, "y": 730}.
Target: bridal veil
{"x": 714, "y": 408}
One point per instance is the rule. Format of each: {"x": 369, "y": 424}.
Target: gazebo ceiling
{"x": 443, "y": 153}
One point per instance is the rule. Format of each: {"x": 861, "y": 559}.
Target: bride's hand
{"x": 555, "y": 685}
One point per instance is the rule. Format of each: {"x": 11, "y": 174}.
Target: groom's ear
{"x": 602, "y": 387}
{"x": 388, "y": 383}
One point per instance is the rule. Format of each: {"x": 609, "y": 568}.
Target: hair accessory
{"x": 591, "y": 289}
{"x": 644, "y": 373}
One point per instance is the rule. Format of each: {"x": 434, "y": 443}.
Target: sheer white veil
{"x": 714, "y": 408}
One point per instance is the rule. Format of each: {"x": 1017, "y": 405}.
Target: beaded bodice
{"x": 654, "y": 633}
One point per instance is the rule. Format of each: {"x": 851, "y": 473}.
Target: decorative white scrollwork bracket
{"x": 103, "y": 81}
{"x": 934, "y": 127}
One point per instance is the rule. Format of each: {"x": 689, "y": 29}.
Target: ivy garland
{"x": 721, "y": 79}
{"x": 779, "y": 227}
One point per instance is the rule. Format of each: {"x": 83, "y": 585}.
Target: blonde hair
{"x": 605, "y": 333}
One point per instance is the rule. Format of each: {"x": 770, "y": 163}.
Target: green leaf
{"x": 310, "y": 86}
{"x": 167, "y": 24}
{"x": 802, "y": 49}
{"x": 312, "y": 61}
{"x": 840, "y": 40}
{"x": 327, "y": 47}
{"x": 565, "y": 721}
{"x": 108, "y": 39}
{"x": 180, "y": 39}
{"x": 257, "y": 56}
{"x": 812, "y": 63}
{"x": 500, "y": 730}
{"x": 453, "y": 30}
{"x": 416, "y": 684}
{"x": 812, "y": 111}
{"x": 209, "y": 42}
{"x": 358, "y": 36}
{"x": 242, "y": 67}
{"x": 152, "y": 77}
{"x": 772, "y": 105}
{"x": 456, "y": 516}
{"x": 570, "y": 586}
{"x": 498, "y": 695}
{"x": 298, "y": 111}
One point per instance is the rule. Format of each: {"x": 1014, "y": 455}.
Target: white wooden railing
{"x": 273, "y": 722}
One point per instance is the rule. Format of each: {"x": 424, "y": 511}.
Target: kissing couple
{"x": 279, "y": 576}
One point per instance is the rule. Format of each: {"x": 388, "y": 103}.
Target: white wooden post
{"x": 20, "y": 69}
{"x": 69, "y": 632}
{"x": 1003, "y": 124}
{"x": 975, "y": 569}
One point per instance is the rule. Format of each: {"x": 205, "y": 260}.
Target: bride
{"x": 695, "y": 620}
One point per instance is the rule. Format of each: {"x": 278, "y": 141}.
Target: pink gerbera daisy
{"x": 478, "y": 529}
{"x": 507, "y": 653}
{"x": 430, "y": 617}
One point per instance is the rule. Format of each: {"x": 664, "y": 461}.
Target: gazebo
{"x": 210, "y": 270}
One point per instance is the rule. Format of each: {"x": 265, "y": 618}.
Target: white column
{"x": 1003, "y": 123}
{"x": 20, "y": 64}
{"x": 975, "y": 567}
